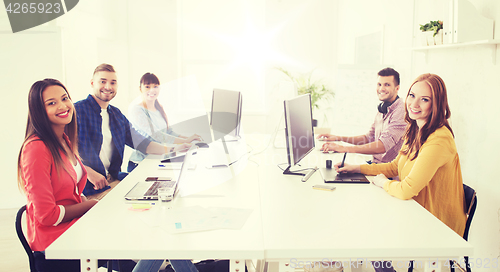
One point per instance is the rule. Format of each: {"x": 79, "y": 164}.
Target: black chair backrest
{"x": 22, "y": 238}
{"x": 470, "y": 208}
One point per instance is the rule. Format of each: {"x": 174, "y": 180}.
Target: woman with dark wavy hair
{"x": 428, "y": 165}
{"x": 52, "y": 176}
{"x": 50, "y": 172}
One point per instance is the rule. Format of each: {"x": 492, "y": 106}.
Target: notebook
{"x": 148, "y": 190}
{"x": 331, "y": 176}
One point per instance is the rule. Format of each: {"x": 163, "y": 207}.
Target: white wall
{"x": 22, "y": 63}
{"x": 67, "y": 49}
{"x": 385, "y": 25}
{"x": 174, "y": 40}
{"x": 472, "y": 82}
{"x": 305, "y": 42}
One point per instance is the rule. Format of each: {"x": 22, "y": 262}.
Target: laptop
{"x": 177, "y": 157}
{"x": 331, "y": 176}
{"x": 148, "y": 189}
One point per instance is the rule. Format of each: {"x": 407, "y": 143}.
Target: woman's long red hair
{"x": 440, "y": 113}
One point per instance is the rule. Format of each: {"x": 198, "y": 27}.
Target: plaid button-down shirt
{"x": 90, "y": 139}
{"x": 389, "y": 128}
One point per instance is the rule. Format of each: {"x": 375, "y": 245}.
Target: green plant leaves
{"x": 305, "y": 86}
{"x": 434, "y": 26}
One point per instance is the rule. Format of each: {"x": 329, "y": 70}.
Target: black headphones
{"x": 382, "y": 107}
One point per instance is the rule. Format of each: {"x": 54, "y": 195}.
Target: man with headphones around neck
{"x": 384, "y": 139}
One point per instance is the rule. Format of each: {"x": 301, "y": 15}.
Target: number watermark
{"x": 25, "y": 14}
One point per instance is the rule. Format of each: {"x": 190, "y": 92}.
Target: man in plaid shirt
{"x": 103, "y": 132}
{"x": 384, "y": 140}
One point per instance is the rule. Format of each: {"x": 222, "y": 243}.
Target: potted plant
{"x": 432, "y": 33}
{"x": 305, "y": 85}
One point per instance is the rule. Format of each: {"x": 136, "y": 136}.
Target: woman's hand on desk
{"x": 77, "y": 210}
{"x": 333, "y": 147}
{"x": 84, "y": 199}
{"x": 379, "y": 180}
{"x": 348, "y": 168}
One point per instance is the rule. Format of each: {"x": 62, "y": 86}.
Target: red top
{"x": 45, "y": 190}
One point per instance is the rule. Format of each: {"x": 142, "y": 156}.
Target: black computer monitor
{"x": 225, "y": 117}
{"x": 298, "y": 130}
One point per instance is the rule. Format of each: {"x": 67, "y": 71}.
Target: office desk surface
{"x": 353, "y": 221}
{"x": 289, "y": 220}
{"x": 111, "y": 231}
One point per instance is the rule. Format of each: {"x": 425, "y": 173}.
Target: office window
{"x": 221, "y": 45}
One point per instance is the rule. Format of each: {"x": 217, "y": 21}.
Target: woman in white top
{"x": 149, "y": 118}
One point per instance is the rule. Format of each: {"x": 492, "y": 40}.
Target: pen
{"x": 219, "y": 165}
{"x": 343, "y": 160}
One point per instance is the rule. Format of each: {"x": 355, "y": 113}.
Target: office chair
{"x": 24, "y": 242}
{"x": 470, "y": 204}
{"x": 22, "y": 238}
{"x": 470, "y": 208}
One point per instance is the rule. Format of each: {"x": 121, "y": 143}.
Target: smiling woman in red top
{"x": 50, "y": 172}
{"x": 52, "y": 176}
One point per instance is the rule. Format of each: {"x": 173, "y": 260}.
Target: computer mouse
{"x": 202, "y": 145}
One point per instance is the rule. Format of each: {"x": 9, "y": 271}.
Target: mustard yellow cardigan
{"x": 433, "y": 179}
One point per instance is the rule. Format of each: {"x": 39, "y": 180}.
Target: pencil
{"x": 343, "y": 160}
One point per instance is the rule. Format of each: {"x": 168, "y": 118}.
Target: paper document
{"x": 231, "y": 218}
{"x": 195, "y": 218}
{"x": 170, "y": 166}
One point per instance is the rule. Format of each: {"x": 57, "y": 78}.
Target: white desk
{"x": 354, "y": 221}
{"x": 290, "y": 222}
{"x": 111, "y": 231}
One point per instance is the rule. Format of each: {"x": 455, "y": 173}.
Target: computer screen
{"x": 226, "y": 113}
{"x": 298, "y": 130}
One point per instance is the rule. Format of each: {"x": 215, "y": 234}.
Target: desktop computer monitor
{"x": 225, "y": 117}
{"x": 298, "y": 130}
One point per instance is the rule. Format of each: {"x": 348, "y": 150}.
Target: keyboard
{"x": 179, "y": 157}
{"x": 153, "y": 190}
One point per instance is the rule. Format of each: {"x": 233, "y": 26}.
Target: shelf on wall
{"x": 492, "y": 43}
{"x": 453, "y": 45}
